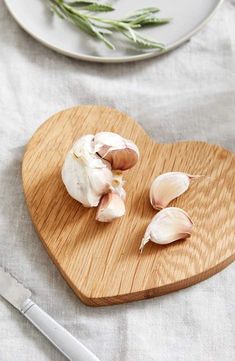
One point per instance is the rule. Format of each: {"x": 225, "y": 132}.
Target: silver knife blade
{"x": 13, "y": 291}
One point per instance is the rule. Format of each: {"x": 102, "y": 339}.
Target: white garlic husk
{"x": 121, "y": 153}
{"x": 111, "y": 207}
{"x": 168, "y": 225}
{"x": 169, "y": 186}
{"x": 86, "y": 176}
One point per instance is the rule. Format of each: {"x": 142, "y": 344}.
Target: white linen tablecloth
{"x": 186, "y": 94}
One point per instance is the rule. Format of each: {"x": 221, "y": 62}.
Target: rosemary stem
{"x": 80, "y": 14}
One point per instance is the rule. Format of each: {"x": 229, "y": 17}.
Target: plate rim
{"x": 120, "y": 59}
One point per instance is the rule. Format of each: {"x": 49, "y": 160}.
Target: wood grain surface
{"x": 101, "y": 262}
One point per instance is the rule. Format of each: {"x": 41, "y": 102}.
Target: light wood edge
{"x": 140, "y": 295}
{"x": 155, "y": 292}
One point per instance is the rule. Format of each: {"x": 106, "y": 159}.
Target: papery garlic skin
{"x": 86, "y": 176}
{"x": 169, "y": 186}
{"x": 111, "y": 207}
{"x": 121, "y": 153}
{"x": 167, "y": 226}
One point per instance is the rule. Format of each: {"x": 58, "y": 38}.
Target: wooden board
{"x": 101, "y": 262}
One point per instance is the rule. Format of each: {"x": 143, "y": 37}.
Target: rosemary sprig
{"x": 82, "y": 14}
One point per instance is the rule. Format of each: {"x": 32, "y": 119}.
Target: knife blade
{"x": 13, "y": 291}
{"x": 19, "y": 296}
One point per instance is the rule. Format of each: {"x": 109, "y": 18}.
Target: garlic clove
{"x": 85, "y": 175}
{"x": 122, "y": 153}
{"x": 169, "y": 186}
{"x": 111, "y": 207}
{"x": 167, "y": 226}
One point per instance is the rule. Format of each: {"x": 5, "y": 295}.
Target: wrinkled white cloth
{"x": 186, "y": 94}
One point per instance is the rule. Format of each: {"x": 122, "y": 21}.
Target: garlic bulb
{"x": 167, "y": 226}
{"x": 111, "y": 207}
{"x": 86, "y": 176}
{"x": 92, "y": 172}
{"x": 169, "y": 186}
{"x": 121, "y": 153}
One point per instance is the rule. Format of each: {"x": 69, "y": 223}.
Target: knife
{"x": 16, "y": 294}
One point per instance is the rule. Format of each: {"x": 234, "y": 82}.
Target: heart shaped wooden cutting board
{"x": 101, "y": 262}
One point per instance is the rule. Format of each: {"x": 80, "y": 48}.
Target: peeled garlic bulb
{"x": 169, "y": 186}
{"x": 121, "y": 153}
{"x": 167, "y": 226}
{"x": 111, "y": 207}
{"x": 86, "y": 176}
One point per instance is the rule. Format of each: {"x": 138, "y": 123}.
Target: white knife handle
{"x": 59, "y": 336}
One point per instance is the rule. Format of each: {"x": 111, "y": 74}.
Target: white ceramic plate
{"x": 188, "y": 17}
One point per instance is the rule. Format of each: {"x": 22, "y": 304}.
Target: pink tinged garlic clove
{"x": 169, "y": 186}
{"x": 111, "y": 207}
{"x": 167, "y": 226}
{"x": 121, "y": 153}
